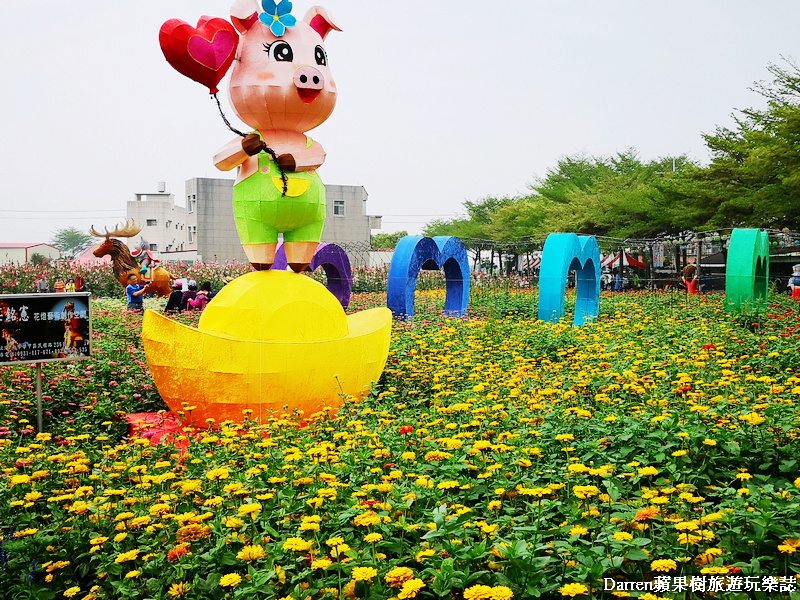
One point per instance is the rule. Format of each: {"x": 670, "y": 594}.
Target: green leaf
{"x": 636, "y": 554}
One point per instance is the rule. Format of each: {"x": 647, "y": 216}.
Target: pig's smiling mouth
{"x": 308, "y": 95}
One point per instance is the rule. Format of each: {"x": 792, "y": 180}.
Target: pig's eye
{"x": 320, "y": 56}
{"x": 280, "y": 51}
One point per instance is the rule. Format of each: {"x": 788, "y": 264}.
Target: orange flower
{"x": 177, "y": 552}
{"x": 651, "y": 512}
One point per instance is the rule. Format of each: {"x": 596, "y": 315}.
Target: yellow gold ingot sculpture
{"x": 270, "y": 342}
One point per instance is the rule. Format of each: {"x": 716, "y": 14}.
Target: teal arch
{"x": 747, "y": 269}
{"x": 562, "y": 253}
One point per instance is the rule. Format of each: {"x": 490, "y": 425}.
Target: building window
{"x": 192, "y": 232}
{"x": 152, "y": 222}
{"x": 191, "y": 237}
{"x": 338, "y": 208}
{"x": 170, "y": 223}
{"x": 153, "y": 247}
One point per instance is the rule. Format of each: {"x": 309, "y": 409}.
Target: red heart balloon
{"x": 203, "y": 53}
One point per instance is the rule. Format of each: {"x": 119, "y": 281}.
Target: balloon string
{"x": 224, "y": 118}
{"x": 267, "y": 149}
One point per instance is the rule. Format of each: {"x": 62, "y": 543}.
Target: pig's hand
{"x": 287, "y": 162}
{"x": 252, "y": 144}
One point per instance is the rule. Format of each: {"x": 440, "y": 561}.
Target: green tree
{"x": 621, "y": 196}
{"x": 753, "y": 179}
{"x": 387, "y": 240}
{"x": 71, "y": 241}
{"x": 38, "y": 259}
{"x": 571, "y": 173}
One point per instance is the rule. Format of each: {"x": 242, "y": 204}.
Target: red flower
{"x": 709, "y": 347}
{"x": 406, "y": 429}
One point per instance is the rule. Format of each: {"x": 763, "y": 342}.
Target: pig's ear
{"x": 320, "y": 21}
{"x": 243, "y": 14}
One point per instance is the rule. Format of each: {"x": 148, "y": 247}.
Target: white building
{"x": 168, "y": 227}
{"x": 12, "y": 254}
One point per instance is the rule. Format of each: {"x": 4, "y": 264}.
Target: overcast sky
{"x": 439, "y": 101}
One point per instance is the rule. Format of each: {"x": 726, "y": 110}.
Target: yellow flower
{"x": 335, "y": 541}
{"x": 423, "y": 554}
{"x": 297, "y": 544}
{"x": 126, "y": 556}
{"x": 251, "y": 553}
{"x": 398, "y": 576}
{"x": 25, "y": 532}
{"x": 478, "y": 592}
{"x": 663, "y": 565}
{"x": 373, "y": 538}
{"x": 230, "y": 580}
{"x": 578, "y": 530}
{"x": 73, "y": 591}
{"x": 366, "y": 519}
{"x": 501, "y": 592}
{"x": 573, "y": 589}
{"x": 648, "y": 471}
{"x": 623, "y": 536}
{"x": 410, "y": 589}
{"x": 585, "y": 491}
{"x": 249, "y": 509}
{"x": 178, "y": 589}
{"x": 133, "y": 574}
{"x": 322, "y": 563}
{"x": 709, "y": 442}
{"x": 714, "y": 571}
{"x": 364, "y": 573}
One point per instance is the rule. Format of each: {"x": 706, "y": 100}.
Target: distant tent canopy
{"x": 530, "y": 262}
{"x": 612, "y": 260}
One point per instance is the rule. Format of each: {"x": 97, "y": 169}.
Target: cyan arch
{"x": 414, "y": 253}
{"x": 747, "y": 269}
{"x": 564, "y": 252}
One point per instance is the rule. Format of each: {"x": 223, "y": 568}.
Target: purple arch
{"x": 336, "y": 264}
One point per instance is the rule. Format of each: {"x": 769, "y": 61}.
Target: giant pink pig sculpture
{"x": 280, "y": 86}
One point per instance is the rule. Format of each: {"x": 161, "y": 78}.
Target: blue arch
{"x": 414, "y": 253}
{"x": 564, "y": 252}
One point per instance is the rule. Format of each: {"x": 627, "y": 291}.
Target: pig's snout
{"x": 309, "y": 83}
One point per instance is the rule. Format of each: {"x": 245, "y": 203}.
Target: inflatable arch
{"x": 747, "y": 269}
{"x": 562, "y": 253}
{"x": 414, "y": 253}
{"x": 334, "y": 261}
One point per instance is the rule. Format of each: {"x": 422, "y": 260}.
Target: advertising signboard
{"x": 39, "y": 328}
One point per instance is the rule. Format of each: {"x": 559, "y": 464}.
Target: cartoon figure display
{"x": 281, "y": 87}
{"x": 145, "y": 257}
{"x": 271, "y": 340}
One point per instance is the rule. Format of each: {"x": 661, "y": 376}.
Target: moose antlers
{"x": 129, "y": 229}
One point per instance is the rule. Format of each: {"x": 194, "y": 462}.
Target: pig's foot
{"x": 261, "y": 256}
{"x": 300, "y": 254}
{"x": 299, "y": 267}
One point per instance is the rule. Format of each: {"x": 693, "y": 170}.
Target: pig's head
{"x": 281, "y": 82}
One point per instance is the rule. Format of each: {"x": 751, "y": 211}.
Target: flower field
{"x": 498, "y": 457}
